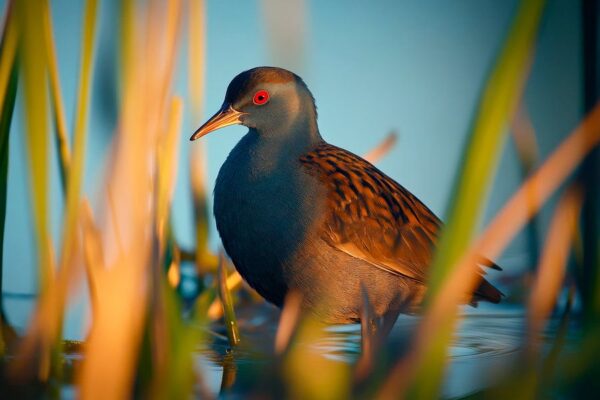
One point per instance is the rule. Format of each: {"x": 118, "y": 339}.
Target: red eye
{"x": 260, "y": 97}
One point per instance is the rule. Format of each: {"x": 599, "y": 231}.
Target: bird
{"x": 296, "y": 213}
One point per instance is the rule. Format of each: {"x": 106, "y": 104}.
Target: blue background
{"x": 411, "y": 66}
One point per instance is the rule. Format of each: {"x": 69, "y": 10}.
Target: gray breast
{"x": 264, "y": 209}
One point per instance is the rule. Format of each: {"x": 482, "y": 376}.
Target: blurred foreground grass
{"x": 143, "y": 333}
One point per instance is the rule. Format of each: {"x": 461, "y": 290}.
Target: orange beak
{"x": 224, "y": 117}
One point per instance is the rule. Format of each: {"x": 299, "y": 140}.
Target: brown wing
{"x": 372, "y": 217}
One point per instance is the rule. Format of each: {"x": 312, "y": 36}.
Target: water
{"x": 484, "y": 350}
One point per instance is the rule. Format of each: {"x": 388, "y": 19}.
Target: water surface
{"x": 484, "y": 350}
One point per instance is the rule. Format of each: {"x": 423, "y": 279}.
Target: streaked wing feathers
{"x": 371, "y": 216}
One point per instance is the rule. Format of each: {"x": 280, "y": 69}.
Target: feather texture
{"x": 373, "y": 218}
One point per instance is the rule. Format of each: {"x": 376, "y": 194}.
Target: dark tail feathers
{"x": 486, "y": 292}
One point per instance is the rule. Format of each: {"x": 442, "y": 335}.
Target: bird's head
{"x": 273, "y": 101}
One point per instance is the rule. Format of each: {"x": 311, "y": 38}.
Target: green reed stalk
{"x": 498, "y": 101}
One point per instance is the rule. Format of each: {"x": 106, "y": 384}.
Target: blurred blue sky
{"x": 412, "y": 66}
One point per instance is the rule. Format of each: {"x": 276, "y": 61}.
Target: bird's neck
{"x": 276, "y": 152}
{"x": 294, "y": 130}
{"x": 292, "y": 136}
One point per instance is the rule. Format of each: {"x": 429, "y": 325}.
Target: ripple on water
{"x": 486, "y": 342}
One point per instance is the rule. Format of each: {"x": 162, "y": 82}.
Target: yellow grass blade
{"x": 307, "y": 373}
{"x": 233, "y": 282}
{"x": 227, "y": 301}
{"x": 167, "y": 162}
{"x": 70, "y": 242}
{"x": 60, "y": 124}
{"x": 92, "y": 252}
{"x": 44, "y": 334}
{"x": 127, "y": 44}
{"x": 77, "y": 169}
{"x": 113, "y": 347}
{"x": 30, "y": 22}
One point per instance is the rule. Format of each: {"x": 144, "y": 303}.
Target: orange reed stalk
{"x": 551, "y": 269}
{"x": 507, "y": 223}
{"x": 120, "y": 277}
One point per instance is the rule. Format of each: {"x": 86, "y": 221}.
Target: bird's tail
{"x": 486, "y": 292}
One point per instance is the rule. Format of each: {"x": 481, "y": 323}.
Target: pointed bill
{"x": 224, "y": 117}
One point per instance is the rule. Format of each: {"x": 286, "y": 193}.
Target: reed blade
{"x": 307, "y": 372}
{"x": 30, "y": 22}
{"x": 496, "y": 236}
{"x": 60, "y": 125}
{"x": 288, "y": 322}
{"x": 552, "y": 267}
{"x": 6, "y": 114}
{"x": 382, "y": 149}
{"x": 77, "y": 168}
{"x": 231, "y": 325}
{"x": 8, "y": 52}
{"x": 498, "y": 101}
{"x": 525, "y": 140}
